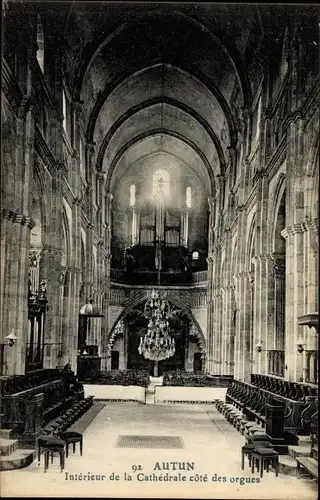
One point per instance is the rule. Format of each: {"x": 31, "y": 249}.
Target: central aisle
{"x": 208, "y": 443}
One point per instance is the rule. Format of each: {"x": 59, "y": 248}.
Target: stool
{"x": 262, "y": 458}
{"x": 42, "y": 442}
{"x": 73, "y": 438}
{"x": 257, "y": 437}
{"x": 50, "y": 447}
{"x": 247, "y": 449}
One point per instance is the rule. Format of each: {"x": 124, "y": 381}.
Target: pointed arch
{"x": 143, "y": 297}
{"x": 278, "y": 199}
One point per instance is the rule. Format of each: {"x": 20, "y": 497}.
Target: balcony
{"x": 140, "y": 267}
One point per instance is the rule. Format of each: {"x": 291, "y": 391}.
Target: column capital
{"x": 221, "y": 180}
{"x": 90, "y": 145}
{"x": 291, "y": 230}
{"x": 262, "y": 258}
{"x": 78, "y": 106}
{"x": 312, "y": 224}
{"x": 18, "y": 218}
{"x": 279, "y": 269}
{"x": 232, "y": 152}
{"x": 100, "y": 175}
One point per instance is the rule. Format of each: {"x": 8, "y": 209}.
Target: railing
{"x": 147, "y": 277}
{"x": 199, "y": 276}
{"x": 276, "y": 363}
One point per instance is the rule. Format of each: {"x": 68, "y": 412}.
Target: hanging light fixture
{"x": 157, "y": 344}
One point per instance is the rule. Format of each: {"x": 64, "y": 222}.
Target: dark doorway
{"x": 115, "y": 360}
{"x": 197, "y": 362}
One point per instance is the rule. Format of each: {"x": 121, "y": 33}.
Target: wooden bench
{"x": 309, "y": 464}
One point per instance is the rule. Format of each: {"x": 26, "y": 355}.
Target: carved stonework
{"x": 279, "y": 269}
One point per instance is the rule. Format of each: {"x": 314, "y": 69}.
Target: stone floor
{"x": 207, "y": 439}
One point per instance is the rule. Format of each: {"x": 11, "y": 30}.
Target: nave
{"x": 208, "y": 441}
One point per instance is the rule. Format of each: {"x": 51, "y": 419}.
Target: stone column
{"x": 237, "y": 339}
{"x": 256, "y": 316}
{"x": 294, "y": 300}
{"x": 72, "y": 321}
{"x": 209, "y": 316}
{"x": 216, "y": 332}
{"x": 15, "y": 235}
{"x": 264, "y": 309}
{"x": 50, "y": 270}
{"x": 279, "y": 303}
{"x": 224, "y": 330}
{"x": 15, "y": 229}
{"x": 242, "y": 366}
{"x": 107, "y": 260}
{"x": 311, "y": 250}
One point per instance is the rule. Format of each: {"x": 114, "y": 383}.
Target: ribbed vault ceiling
{"x": 157, "y": 79}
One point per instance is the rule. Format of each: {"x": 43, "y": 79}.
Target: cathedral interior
{"x": 159, "y": 185}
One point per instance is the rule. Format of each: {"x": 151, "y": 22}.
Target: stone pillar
{"x": 210, "y": 312}
{"x": 264, "y": 310}
{"x": 232, "y": 326}
{"x": 107, "y": 260}
{"x": 242, "y": 349}
{"x": 279, "y": 305}
{"x": 240, "y": 297}
{"x": 50, "y": 270}
{"x": 15, "y": 235}
{"x": 311, "y": 250}
{"x": 237, "y": 339}
{"x": 75, "y": 276}
{"x": 294, "y": 300}
{"x": 217, "y": 325}
{"x": 15, "y": 230}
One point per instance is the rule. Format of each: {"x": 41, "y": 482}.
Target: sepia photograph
{"x": 159, "y": 262}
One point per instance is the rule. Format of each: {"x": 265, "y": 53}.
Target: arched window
{"x": 195, "y": 255}
{"x": 160, "y": 183}
{"x": 40, "y": 44}
{"x": 132, "y": 195}
{"x": 188, "y": 197}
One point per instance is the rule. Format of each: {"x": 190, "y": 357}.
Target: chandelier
{"x": 157, "y": 344}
